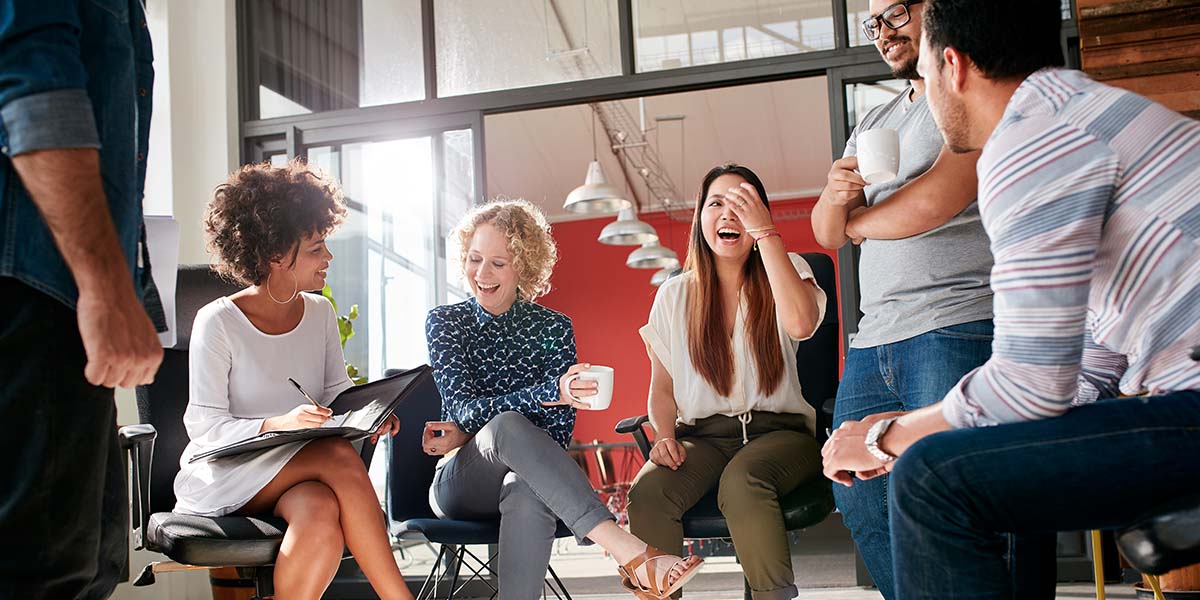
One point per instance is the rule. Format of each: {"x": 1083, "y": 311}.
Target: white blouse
{"x": 238, "y": 377}
{"x": 666, "y": 334}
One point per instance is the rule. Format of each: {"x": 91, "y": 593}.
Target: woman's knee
{"x": 651, "y": 494}
{"x": 312, "y": 509}
{"x": 509, "y": 421}
{"x": 335, "y": 456}
{"x": 742, "y": 489}
{"x": 503, "y": 427}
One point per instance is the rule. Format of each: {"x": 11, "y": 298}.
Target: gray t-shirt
{"x": 936, "y": 279}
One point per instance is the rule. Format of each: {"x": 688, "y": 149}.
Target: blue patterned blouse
{"x": 485, "y": 365}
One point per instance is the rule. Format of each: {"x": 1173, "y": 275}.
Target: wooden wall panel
{"x": 1151, "y": 47}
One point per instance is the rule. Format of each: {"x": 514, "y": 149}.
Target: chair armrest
{"x": 634, "y": 425}
{"x": 138, "y": 442}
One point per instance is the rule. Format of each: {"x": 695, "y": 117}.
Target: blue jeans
{"x": 1099, "y": 466}
{"x": 908, "y": 375}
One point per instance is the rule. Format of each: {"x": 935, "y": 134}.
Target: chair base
{"x": 264, "y": 577}
{"x": 448, "y": 567}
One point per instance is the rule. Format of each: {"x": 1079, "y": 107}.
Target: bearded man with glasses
{"x": 924, "y": 278}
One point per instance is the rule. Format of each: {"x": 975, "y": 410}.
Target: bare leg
{"x": 312, "y": 546}
{"x": 335, "y": 463}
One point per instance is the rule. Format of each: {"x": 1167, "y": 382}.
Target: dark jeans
{"x": 908, "y": 375}
{"x": 1099, "y": 466}
{"x": 63, "y": 502}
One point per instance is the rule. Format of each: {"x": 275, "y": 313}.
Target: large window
{"x": 485, "y": 45}
{"x": 862, "y": 97}
{"x": 700, "y": 32}
{"x": 307, "y": 56}
{"x": 391, "y": 254}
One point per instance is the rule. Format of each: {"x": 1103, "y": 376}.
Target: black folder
{"x": 358, "y": 412}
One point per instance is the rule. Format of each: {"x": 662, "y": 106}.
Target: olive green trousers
{"x": 779, "y": 456}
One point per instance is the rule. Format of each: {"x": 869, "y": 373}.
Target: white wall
{"x": 193, "y": 147}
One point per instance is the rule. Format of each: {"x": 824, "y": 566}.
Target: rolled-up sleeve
{"x": 659, "y": 325}
{"x": 43, "y": 98}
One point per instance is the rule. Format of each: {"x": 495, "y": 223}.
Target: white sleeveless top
{"x": 666, "y": 334}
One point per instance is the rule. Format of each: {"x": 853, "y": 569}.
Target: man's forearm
{"x": 829, "y": 222}
{"x": 922, "y": 204}
{"x": 65, "y": 185}
{"x": 913, "y": 426}
{"x": 888, "y": 221}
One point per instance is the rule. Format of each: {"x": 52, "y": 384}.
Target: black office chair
{"x": 1166, "y": 539}
{"x": 155, "y": 446}
{"x": 410, "y": 476}
{"x": 817, "y": 363}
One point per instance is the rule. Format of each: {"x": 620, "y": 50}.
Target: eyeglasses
{"x": 894, "y": 16}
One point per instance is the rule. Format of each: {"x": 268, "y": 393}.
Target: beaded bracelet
{"x": 767, "y": 235}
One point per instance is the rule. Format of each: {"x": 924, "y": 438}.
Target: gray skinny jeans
{"x": 513, "y": 470}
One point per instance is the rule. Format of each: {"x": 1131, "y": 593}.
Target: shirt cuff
{"x": 49, "y": 120}
{"x": 960, "y": 411}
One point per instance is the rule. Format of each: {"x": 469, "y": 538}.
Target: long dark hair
{"x": 708, "y": 346}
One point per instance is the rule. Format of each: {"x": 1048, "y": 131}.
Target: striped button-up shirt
{"x": 1091, "y": 197}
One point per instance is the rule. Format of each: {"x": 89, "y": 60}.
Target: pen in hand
{"x": 304, "y": 393}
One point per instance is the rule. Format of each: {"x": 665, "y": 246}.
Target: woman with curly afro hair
{"x": 266, "y": 226}
{"x": 505, "y": 368}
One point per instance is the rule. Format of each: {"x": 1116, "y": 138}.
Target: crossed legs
{"x": 326, "y": 498}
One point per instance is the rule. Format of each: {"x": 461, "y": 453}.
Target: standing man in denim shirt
{"x": 75, "y": 287}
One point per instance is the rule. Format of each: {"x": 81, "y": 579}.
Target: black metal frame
{"x": 844, "y": 64}
{"x": 450, "y": 560}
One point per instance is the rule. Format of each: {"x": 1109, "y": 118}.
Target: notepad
{"x": 358, "y": 412}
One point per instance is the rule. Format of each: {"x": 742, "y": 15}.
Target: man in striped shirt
{"x": 1091, "y": 198}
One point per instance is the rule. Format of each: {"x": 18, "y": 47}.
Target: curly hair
{"x": 261, "y": 213}
{"x": 529, "y": 241}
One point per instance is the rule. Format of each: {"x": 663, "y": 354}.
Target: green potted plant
{"x": 345, "y": 332}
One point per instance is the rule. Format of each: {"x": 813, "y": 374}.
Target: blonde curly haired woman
{"x": 502, "y": 364}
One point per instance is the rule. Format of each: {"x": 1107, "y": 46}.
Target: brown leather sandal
{"x": 660, "y": 586}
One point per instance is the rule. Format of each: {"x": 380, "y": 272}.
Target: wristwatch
{"x": 874, "y": 434}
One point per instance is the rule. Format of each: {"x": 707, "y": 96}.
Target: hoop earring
{"x": 295, "y": 290}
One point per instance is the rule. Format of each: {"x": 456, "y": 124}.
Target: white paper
{"x": 162, "y": 239}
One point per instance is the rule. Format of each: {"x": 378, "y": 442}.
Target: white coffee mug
{"x": 878, "y": 155}
{"x": 603, "y": 376}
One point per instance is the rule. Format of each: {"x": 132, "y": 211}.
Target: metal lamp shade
{"x": 627, "y": 230}
{"x": 653, "y": 255}
{"x": 661, "y": 276}
{"x": 595, "y": 196}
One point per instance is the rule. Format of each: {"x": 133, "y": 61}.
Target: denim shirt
{"x": 74, "y": 74}
{"x": 485, "y": 365}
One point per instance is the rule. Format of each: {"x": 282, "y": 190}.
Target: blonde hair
{"x": 529, "y": 241}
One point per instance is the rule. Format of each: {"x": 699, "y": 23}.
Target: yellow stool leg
{"x": 1158, "y": 595}
{"x": 1098, "y": 564}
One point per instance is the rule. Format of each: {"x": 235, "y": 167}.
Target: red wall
{"x": 608, "y": 302}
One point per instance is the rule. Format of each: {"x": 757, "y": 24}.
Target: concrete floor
{"x": 827, "y": 574}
